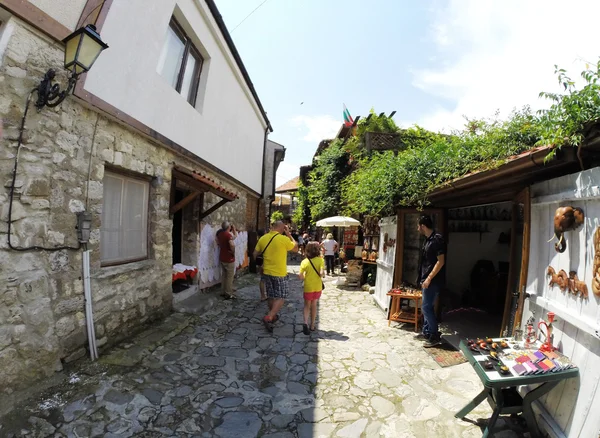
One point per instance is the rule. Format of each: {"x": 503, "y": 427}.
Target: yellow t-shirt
{"x": 312, "y": 280}
{"x": 275, "y": 258}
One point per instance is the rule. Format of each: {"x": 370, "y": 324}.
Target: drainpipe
{"x": 262, "y": 182}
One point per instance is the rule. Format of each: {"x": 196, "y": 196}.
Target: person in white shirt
{"x": 329, "y": 246}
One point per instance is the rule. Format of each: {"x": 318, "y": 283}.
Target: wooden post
{"x": 512, "y": 270}
{"x": 185, "y": 201}
{"x": 525, "y": 255}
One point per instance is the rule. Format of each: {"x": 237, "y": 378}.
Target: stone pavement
{"x": 220, "y": 374}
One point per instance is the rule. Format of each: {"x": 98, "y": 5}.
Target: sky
{"x": 432, "y": 61}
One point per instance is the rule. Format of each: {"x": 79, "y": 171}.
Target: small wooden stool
{"x": 397, "y": 314}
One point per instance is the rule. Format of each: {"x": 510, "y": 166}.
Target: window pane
{"x": 124, "y": 219}
{"x": 134, "y": 219}
{"x": 188, "y": 77}
{"x": 169, "y": 63}
{"x": 110, "y": 230}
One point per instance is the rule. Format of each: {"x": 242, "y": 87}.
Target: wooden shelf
{"x": 480, "y": 220}
{"x": 405, "y": 316}
{"x": 370, "y": 262}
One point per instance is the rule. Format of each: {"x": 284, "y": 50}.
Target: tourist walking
{"x": 329, "y": 246}
{"x": 225, "y": 239}
{"x": 300, "y": 244}
{"x": 273, "y": 247}
{"x": 259, "y": 270}
{"x": 311, "y": 271}
{"x": 432, "y": 278}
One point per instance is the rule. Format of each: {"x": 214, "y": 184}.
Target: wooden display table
{"x": 396, "y": 312}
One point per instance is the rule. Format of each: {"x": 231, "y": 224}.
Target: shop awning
{"x": 199, "y": 184}
{"x": 504, "y": 182}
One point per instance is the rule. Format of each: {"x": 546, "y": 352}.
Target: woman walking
{"x": 311, "y": 271}
{"x": 329, "y": 246}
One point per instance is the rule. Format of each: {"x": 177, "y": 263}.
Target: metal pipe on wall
{"x": 89, "y": 313}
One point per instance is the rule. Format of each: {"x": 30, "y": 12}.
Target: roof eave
{"x": 223, "y": 28}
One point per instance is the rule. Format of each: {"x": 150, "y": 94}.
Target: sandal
{"x": 268, "y": 324}
{"x": 305, "y": 329}
{"x": 312, "y": 329}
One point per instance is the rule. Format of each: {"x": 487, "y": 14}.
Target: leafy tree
{"x": 564, "y": 123}
{"x": 301, "y": 215}
{"x": 330, "y": 169}
{"x": 346, "y": 179}
{"x": 276, "y": 216}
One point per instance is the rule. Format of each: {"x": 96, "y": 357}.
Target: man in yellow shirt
{"x": 274, "y": 247}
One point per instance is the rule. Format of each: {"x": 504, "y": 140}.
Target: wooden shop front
{"x": 497, "y": 225}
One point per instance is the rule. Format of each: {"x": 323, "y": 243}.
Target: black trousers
{"x": 329, "y": 263}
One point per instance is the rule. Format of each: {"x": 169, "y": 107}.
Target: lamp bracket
{"x": 49, "y": 93}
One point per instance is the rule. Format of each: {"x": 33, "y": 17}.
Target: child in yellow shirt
{"x": 311, "y": 271}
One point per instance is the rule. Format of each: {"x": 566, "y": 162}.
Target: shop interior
{"x": 479, "y": 246}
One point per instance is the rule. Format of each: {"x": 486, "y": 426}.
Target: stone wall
{"x": 42, "y": 317}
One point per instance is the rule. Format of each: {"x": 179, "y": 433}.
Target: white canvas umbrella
{"x": 338, "y": 221}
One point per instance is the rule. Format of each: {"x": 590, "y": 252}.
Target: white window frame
{"x": 143, "y": 253}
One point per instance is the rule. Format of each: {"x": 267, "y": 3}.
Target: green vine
{"x": 345, "y": 179}
{"x": 565, "y": 121}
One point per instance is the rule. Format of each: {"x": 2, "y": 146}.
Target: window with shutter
{"x": 124, "y": 228}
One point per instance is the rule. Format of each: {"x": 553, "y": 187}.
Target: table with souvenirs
{"x": 503, "y": 364}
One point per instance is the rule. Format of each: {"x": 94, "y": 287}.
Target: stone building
{"x": 161, "y": 140}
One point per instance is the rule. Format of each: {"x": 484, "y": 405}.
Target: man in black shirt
{"x": 432, "y": 277}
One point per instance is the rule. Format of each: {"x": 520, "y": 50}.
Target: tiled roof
{"x": 289, "y": 186}
{"x": 211, "y": 184}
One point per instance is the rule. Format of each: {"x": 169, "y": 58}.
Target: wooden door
{"x": 409, "y": 242}
{"x": 519, "y": 263}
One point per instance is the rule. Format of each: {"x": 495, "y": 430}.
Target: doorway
{"x": 177, "y": 231}
{"x": 483, "y": 265}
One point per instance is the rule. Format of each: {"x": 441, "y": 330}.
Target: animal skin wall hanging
{"x": 596, "y": 272}
{"x": 565, "y": 219}
{"x": 568, "y": 282}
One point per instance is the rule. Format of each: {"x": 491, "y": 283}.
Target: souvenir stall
{"x": 369, "y": 250}
{"x": 478, "y": 296}
{"x": 563, "y": 279}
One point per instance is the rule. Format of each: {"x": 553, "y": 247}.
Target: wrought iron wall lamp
{"x": 82, "y": 48}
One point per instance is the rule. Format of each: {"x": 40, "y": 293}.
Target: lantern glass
{"x": 82, "y": 49}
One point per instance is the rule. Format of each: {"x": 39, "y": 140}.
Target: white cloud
{"x": 500, "y": 55}
{"x": 317, "y": 128}
{"x": 285, "y": 172}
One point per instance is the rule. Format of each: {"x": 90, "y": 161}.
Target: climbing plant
{"x": 301, "y": 215}
{"x": 381, "y": 181}
{"x": 329, "y": 170}
{"x": 565, "y": 121}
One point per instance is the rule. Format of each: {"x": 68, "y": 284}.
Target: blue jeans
{"x": 329, "y": 261}
{"x": 430, "y": 325}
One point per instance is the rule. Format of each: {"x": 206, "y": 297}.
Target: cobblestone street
{"x": 221, "y": 374}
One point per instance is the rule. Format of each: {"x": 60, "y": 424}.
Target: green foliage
{"x": 565, "y": 121}
{"x": 330, "y": 169}
{"x": 276, "y": 216}
{"x": 382, "y": 181}
{"x": 374, "y": 123}
{"x": 301, "y": 215}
